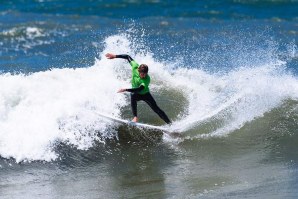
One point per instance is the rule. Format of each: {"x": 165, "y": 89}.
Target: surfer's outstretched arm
{"x": 124, "y": 56}
{"x": 130, "y": 60}
{"x": 132, "y": 90}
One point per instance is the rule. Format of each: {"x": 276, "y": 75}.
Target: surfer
{"x": 140, "y": 87}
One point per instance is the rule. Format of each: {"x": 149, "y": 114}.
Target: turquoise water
{"x": 224, "y": 71}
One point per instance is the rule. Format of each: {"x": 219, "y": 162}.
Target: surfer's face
{"x": 142, "y": 75}
{"x": 143, "y": 70}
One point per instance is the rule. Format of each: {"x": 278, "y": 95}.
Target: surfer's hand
{"x": 110, "y": 56}
{"x": 121, "y": 90}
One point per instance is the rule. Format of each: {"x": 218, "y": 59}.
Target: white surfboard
{"x": 137, "y": 124}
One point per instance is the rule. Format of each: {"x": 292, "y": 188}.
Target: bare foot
{"x": 135, "y": 119}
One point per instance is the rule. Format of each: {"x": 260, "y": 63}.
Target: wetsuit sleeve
{"x": 130, "y": 60}
{"x": 127, "y": 57}
{"x": 133, "y": 90}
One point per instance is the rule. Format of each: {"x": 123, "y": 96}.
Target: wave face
{"x": 40, "y": 110}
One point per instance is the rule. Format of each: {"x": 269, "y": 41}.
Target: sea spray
{"x": 40, "y": 109}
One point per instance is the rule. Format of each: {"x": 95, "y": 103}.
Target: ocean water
{"x": 225, "y": 72}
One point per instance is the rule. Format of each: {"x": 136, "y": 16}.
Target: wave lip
{"x": 241, "y": 96}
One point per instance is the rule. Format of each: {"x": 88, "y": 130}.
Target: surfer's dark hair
{"x": 143, "y": 68}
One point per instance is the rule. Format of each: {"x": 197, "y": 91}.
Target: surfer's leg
{"x": 133, "y": 102}
{"x": 152, "y": 103}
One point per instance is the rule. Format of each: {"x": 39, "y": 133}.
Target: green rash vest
{"x": 137, "y": 81}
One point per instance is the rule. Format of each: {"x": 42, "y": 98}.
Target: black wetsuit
{"x": 147, "y": 97}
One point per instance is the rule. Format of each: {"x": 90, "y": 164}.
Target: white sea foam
{"x": 33, "y": 32}
{"x": 28, "y": 37}
{"x": 60, "y": 105}
{"x": 40, "y": 109}
{"x": 242, "y": 96}
{"x": 29, "y": 32}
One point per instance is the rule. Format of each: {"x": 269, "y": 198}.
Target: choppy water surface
{"x": 225, "y": 73}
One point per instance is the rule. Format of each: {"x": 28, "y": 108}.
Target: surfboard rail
{"x": 135, "y": 124}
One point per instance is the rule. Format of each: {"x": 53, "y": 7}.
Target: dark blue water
{"x": 227, "y": 9}
{"x": 224, "y": 71}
